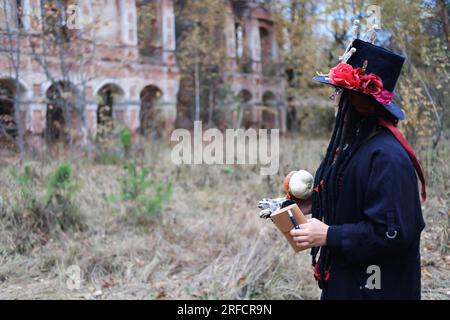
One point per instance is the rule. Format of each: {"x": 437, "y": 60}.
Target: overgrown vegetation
{"x": 126, "y": 140}
{"x": 25, "y": 182}
{"x": 42, "y": 208}
{"x": 144, "y": 196}
{"x": 206, "y": 242}
{"x": 114, "y": 148}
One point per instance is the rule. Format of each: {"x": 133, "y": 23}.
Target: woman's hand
{"x": 311, "y": 234}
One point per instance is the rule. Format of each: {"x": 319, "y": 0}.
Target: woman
{"x": 367, "y": 218}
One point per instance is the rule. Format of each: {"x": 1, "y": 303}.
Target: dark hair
{"x": 350, "y": 131}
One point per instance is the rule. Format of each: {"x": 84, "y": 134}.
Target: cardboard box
{"x": 284, "y": 223}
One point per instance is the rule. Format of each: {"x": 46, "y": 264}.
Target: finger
{"x": 302, "y": 239}
{"x": 303, "y": 245}
{"x": 299, "y": 232}
{"x": 304, "y": 225}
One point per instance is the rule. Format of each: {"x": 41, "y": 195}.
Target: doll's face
{"x": 336, "y": 97}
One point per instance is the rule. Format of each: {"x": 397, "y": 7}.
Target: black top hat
{"x": 373, "y": 60}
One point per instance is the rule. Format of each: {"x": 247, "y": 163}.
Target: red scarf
{"x": 399, "y": 136}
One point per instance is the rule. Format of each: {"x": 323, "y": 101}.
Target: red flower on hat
{"x": 344, "y": 75}
{"x": 384, "y": 97}
{"x": 371, "y": 84}
{"x": 359, "y": 72}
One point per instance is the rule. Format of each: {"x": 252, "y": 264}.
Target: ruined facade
{"x": 122, "y": 67}
{"x": 255, "y": 71}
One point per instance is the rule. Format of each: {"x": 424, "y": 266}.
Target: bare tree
{"x": 65, "y": 50}
{"x": 13, "y": 33}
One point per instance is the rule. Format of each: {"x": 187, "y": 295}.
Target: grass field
{"x": 207, "y": 243}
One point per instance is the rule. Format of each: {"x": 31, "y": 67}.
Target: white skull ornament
{"x": 301, "y": 184}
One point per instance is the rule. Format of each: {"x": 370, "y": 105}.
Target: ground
{"x": 207, "y": 243}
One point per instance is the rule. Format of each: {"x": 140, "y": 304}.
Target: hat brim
{"x": 392, "y": 108}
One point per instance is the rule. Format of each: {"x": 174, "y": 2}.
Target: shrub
{"x": 34, "y": 219}
{"x": 60, "y": 187}
{"x": 126, "y": 140}
{"x": 146, "y": 195}
{"x": 25, "y": 181}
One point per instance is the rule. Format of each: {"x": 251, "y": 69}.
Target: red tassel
{"x": 327, "y": 275}
{"x": 317, "y": 275}
{"x": 316, "y": 188}
{"x": 336, "y": 153}
{"x": 316, "y": 271}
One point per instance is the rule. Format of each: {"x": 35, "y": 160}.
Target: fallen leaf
{"x": 426, "y": 273}
{"x": 161, "y": 294}
{"x": 107, "y": 284}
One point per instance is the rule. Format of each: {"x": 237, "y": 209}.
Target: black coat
{"x": 379, "y": 197}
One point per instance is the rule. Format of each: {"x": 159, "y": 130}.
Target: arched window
{"x": 149, "y": 97}
{"x": 149, "y": 29}
{"x": 269, "y": 112}
{"x": 62, "y": 116}
{"x": 108, "y": 97}
{"x": 239, "y": 36}
{"x": 242, "y": 55}
{"x": 11, "y": 14}
{"x": 19, "y": 11}
{"x": 244, "y": 96}
{"x": 54, "y": 20}
{"x": 266, "y": 51}
{"x": 8, "y": 125}
{"x": 242, "y": 115}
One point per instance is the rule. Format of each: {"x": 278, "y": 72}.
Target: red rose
{"x": 344, "y": 75}
{"x": 384, "y": 97}
{"x": 359, "y": 72}
{"x": 371, "y": 84}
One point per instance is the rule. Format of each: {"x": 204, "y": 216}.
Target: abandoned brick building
{"x": 133, "y": 76}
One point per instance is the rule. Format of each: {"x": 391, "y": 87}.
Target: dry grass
{"x": 207, "y": 244}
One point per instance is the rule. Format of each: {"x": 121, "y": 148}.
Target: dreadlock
{"x": 350, "y": 131}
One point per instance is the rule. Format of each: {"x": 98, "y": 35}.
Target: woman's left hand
{"x": 311, "y": 234}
